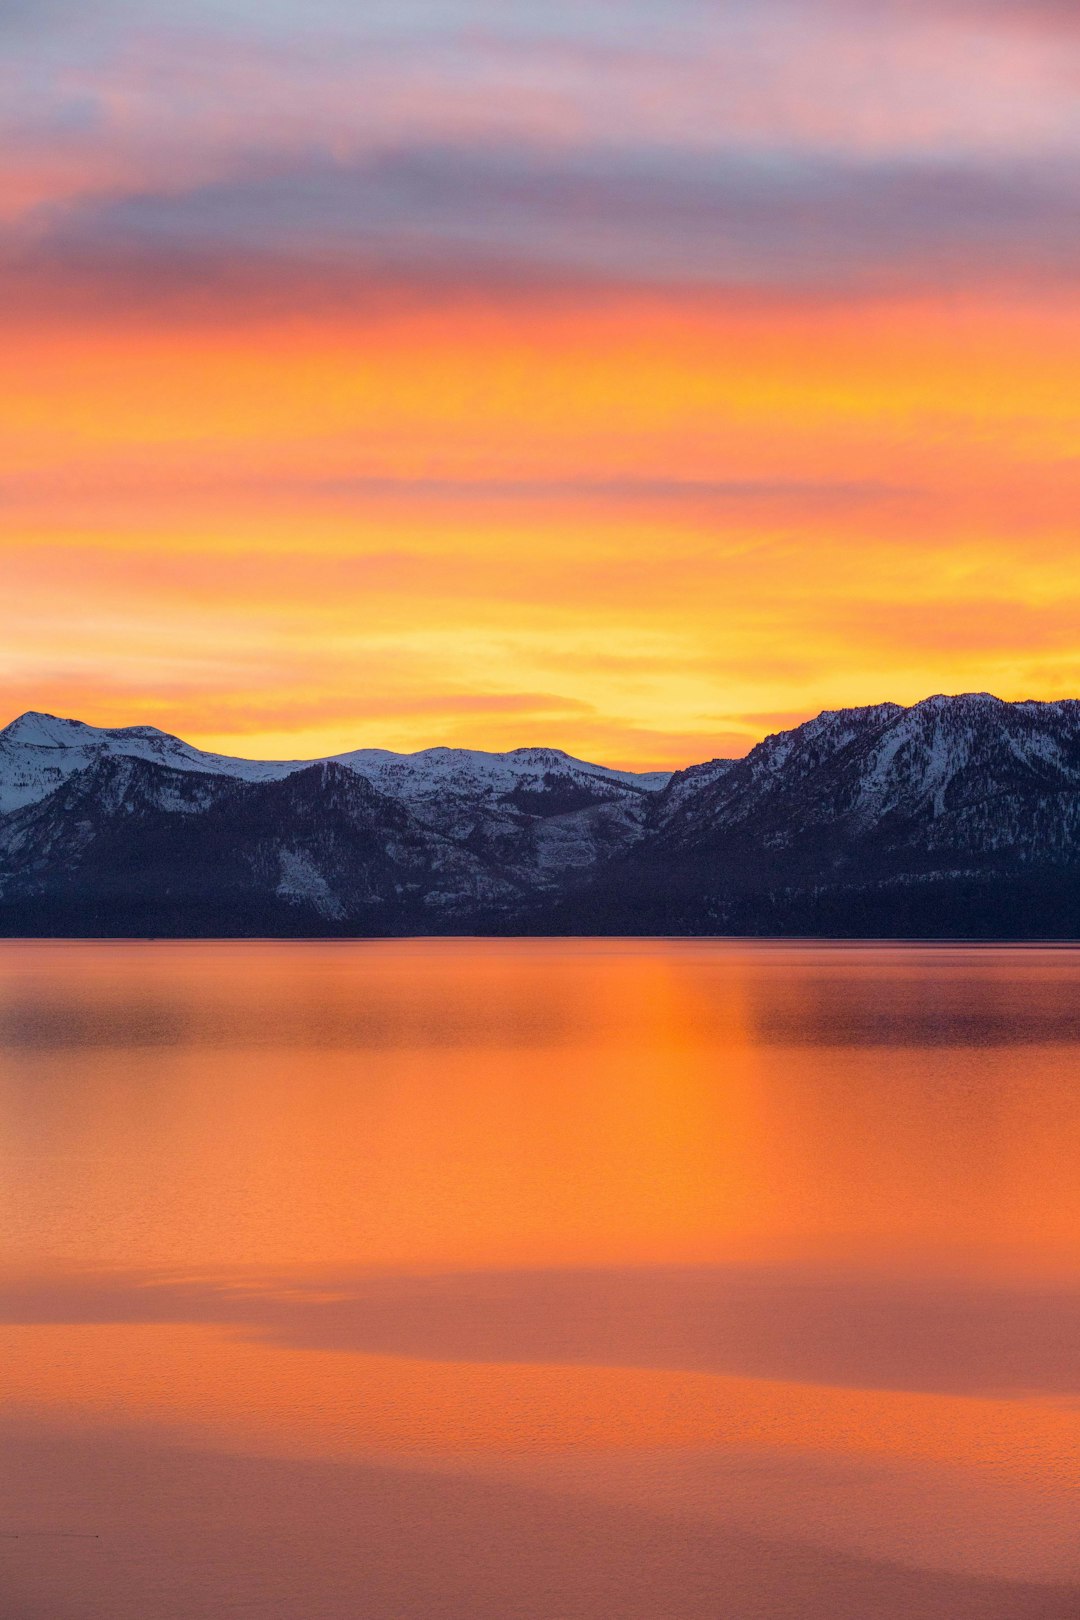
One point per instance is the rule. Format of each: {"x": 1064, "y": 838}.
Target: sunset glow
{"x": 635, "y": 379}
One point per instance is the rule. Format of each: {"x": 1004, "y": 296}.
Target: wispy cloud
{"x": 460, "y": 222}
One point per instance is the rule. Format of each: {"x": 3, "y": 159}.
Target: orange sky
{"x": 455, "y": 385}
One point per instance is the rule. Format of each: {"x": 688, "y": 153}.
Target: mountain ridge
{"x": 64, "y": 745}
{"x": 955, "y": 816}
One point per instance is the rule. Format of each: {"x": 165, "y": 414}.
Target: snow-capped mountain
{"x": 398, "y": 840}
{"x": 948, "y": 772}
{"x": 39, "y": 751}
{"x": 957, "y": 816}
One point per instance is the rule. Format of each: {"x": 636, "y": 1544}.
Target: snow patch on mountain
{"x": 300, "y": 881}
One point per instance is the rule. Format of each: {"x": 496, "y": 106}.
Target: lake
{"x": 539, "y": 1280}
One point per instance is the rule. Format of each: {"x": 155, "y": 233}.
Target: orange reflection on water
{"x": 392, "y": 1105}
{"x": 470, "y": 1104}
{"x": 298, "y": 1402}
{"x": 593, "y": 1246}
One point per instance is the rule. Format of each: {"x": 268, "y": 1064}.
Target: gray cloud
{"x": 471, "y": 216}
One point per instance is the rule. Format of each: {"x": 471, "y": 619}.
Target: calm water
{"x": 539, "y": 1281}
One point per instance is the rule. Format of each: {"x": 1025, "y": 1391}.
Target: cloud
{"x": 290, "y": 152}
{"x": 433, "y": 223}
{"x": 36, "y": 16}
{"x": 1053, "y": 14}
{"x": 962, "y": 623}
{"x": 707, "y": 492}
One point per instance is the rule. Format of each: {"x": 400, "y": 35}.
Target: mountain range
{"x": 956, "y": 817}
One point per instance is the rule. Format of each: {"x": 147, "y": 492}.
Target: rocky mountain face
{"x": 958, "y": 817}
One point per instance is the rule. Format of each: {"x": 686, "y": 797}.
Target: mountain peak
{"x": 37, "y": 729}
{"x": 956, "y": 700}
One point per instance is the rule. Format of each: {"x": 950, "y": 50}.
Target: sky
{"x": 636, "y": 377}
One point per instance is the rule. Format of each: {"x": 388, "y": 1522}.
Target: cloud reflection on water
{"x": 815, "y": 1326}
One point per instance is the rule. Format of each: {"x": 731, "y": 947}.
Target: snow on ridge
{"x": 930, "y": 744}
{"x": 38, "y": 730}
{"x": 40, "y": 751}
{"x": 835, "y": 728}
{"x": 903, "y": 750}
{"x": 434, "y": 769}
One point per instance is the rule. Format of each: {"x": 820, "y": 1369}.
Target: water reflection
{"x": 912, "y": 997}
{"x": 686, "y": 1274}
{"x": 804, "y": 1325}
